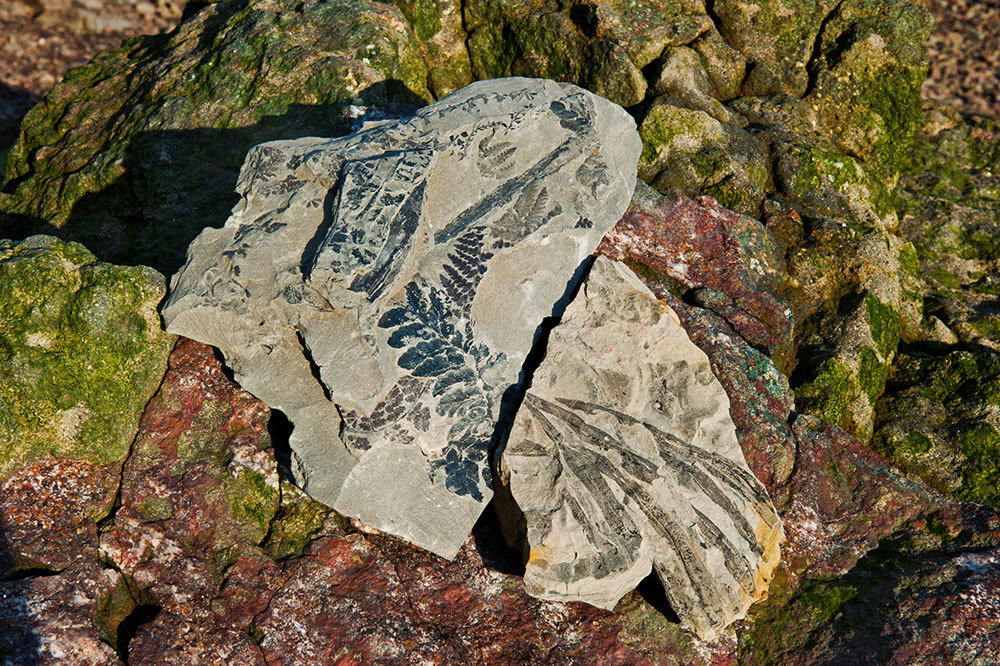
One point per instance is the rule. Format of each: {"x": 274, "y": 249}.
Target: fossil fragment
{"x": 623, "y": 457}
{"x": 383, "y": 289}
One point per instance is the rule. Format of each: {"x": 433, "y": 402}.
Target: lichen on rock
{"x": 81, "y": 351}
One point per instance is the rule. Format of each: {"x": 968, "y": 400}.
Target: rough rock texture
{"x": 871, "y": 558}
{"x": 139, "y": 151}
{"x": 623, "y": 458}
{"x": 408, "y": 266}
{"x": 209, "y": 556}
{"x": 81, "y": 351}
{"x": 939, "y": 417}
{"x": 948, "y": 200}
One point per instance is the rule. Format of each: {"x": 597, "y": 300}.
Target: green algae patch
{"x": 830, "y": 394}
{"x": 688, "y": 152}
{"x": 937, "y": 421}
{"x": 776, "y": 35}
{"x": 299, "y": 518}
{"x": 872, "y": 374}
{"x": 883, "y": 322}
{"x": 980, "y": 444}
{"x": 871, "y": 62}
{"x": 253, "y": 502}
{"x": 953, "y": 380}
{"x": 882, "y": 595}
{"x": 550, "y": 45}
{"x": 832, "y": 184}
{"x": 916, "y": 443}
{"x": 788, "y": 619}
{"x": 81, "y": 352}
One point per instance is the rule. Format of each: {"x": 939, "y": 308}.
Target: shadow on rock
{"x": 14, "y": 103}
{"x": 18, "y": 640}
{"x": 175, "y": 183}
{"x": 924, "y": 594}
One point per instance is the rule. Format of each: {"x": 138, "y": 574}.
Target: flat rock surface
{"x": 384, "y": 289}
{"x": 623, "y": 457}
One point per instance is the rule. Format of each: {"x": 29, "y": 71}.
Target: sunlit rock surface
{"x": 623, "y": 457}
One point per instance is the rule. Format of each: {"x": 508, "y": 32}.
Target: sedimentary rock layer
{"x": 383, "y": 289}
{"x": 623, "y": 457}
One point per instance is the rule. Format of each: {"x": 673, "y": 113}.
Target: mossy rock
{"x": 136, "y": 152}
{"x": 949, "y": 206}
{"x": 725, "y": 65}
{"x": 776, "y": 36}
{"x": 825, "y": 183}
{"x": 81, "y": 352}
{"x": 866, "y": 79}
{"x": 558, "y": 45}
{"x": 878, "y": 611}
{"x": 685, "y": 81}
{"x": 843, "y": 368}
{"x": 440, "y": 35}
{"x": 938, "y": 421}
{"x": 686, "y": 151}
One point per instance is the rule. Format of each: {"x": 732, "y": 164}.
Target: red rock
{"x": 49, "y": 619}
{"x": 842, "y": 499}
{"x": 731, "y": 263}
{"x": 167, "y": 640}
{"x": 53, "y": 496}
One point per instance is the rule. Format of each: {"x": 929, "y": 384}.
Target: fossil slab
{"x": 383, "y": 289}
{"x": 623, "y": 457}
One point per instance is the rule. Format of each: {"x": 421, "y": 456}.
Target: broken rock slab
{"x": 383, "y": 289}
{"x": 623, "y": 458}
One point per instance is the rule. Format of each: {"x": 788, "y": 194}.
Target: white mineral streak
{"x": 623, "y": 458}
{"x": 383, "y": 289}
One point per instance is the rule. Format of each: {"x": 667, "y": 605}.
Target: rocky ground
{"x": 827, "y": 240}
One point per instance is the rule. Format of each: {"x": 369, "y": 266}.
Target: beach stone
{"x": 383, "y": 289}
{"x": 623, "y": 458}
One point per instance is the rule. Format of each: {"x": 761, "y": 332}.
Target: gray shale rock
{"x": 383, "y": 289}
{"x": 623, "y": 457}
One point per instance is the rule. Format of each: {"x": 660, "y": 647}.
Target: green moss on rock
{"x": 828, "y": 183}
{"x": 937, "y": 421}
{"x": 776, "y": 35}
{"x": 81, "y": 352}
{"x": 883, "y": 321}
{"x": 872, "y": 373}
{"x": 790, "y": 616}
{"x": 872, "y": 62}
{"x": 253, "y": 502}
{"x": 979, "y": 443}
{"x": 299, "y": 518}
{"x": 688, "y": 152}
{"x": 830, "y": 393}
